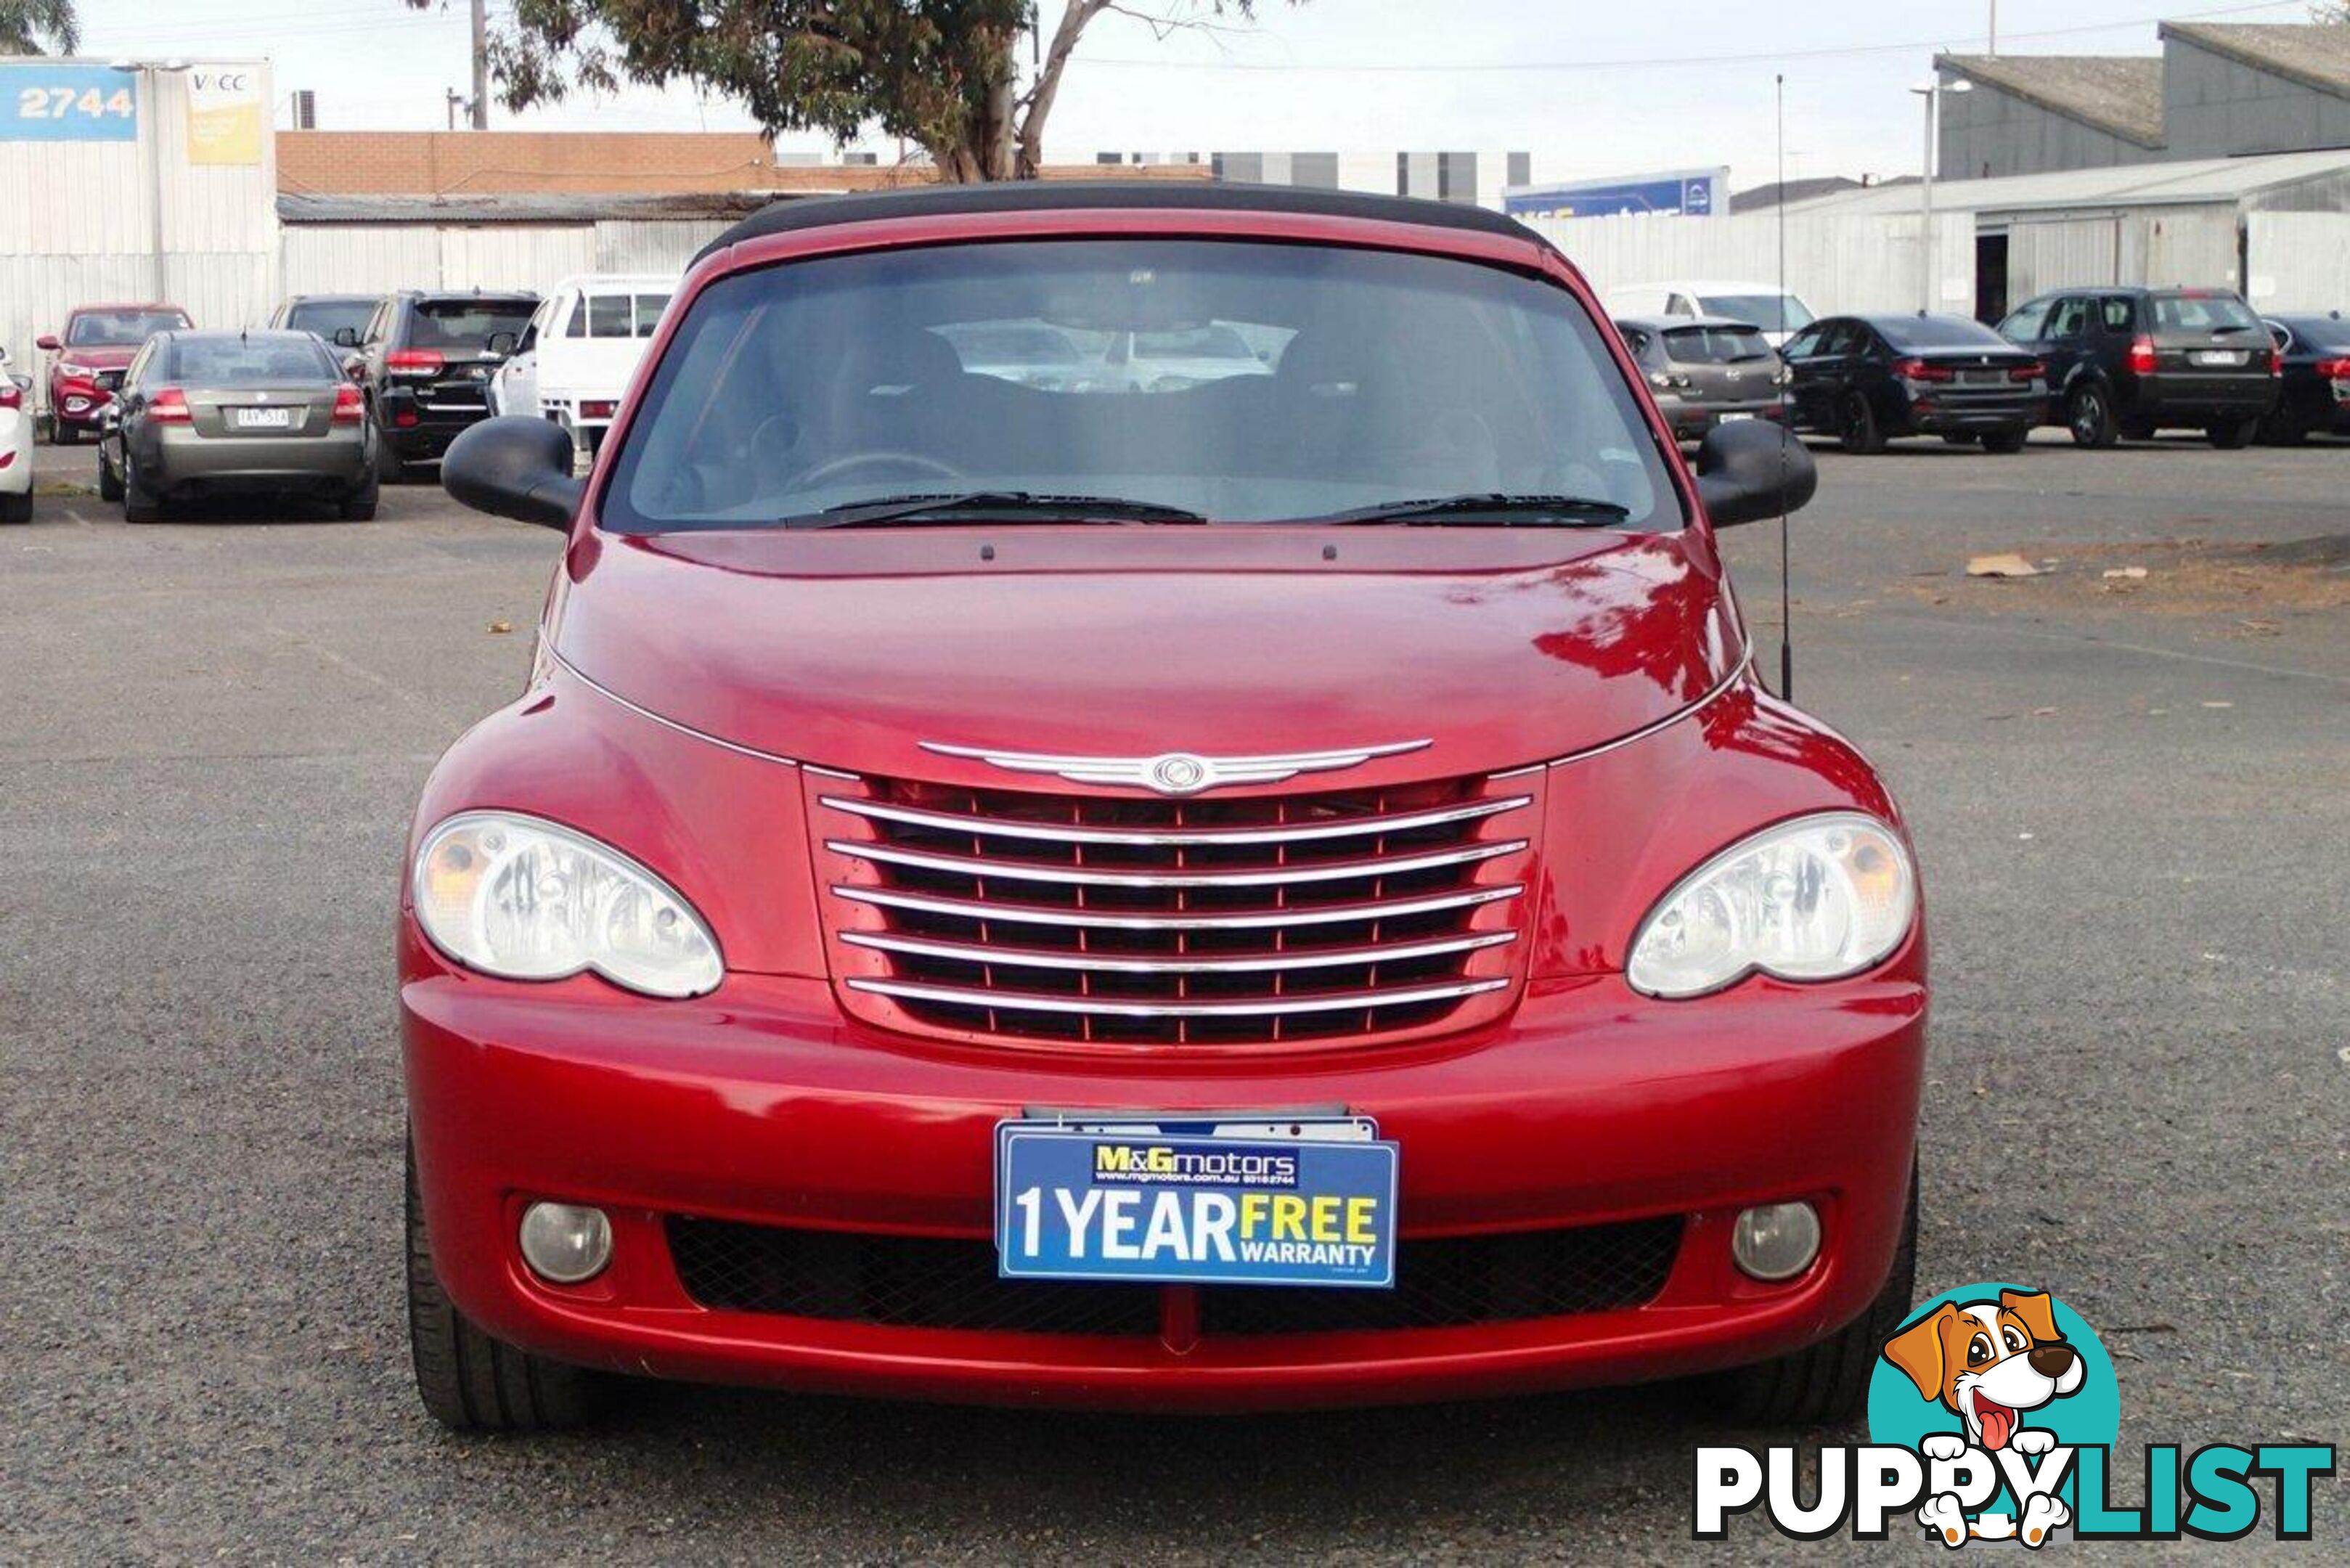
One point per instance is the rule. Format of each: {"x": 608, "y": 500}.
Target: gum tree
{"x": 39, "y": 28}
{"x": 945, "y": 74}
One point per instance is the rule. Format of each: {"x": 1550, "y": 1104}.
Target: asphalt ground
{"x": 2132, "y": 801}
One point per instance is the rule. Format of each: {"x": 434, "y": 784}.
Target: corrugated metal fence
{"x": 78, "y": 224}
{"x": 1836, "y": 263}
{"x": 2298, "y": 261}
{"x": 362, "y": 258}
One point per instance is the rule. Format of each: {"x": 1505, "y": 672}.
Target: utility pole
{"x": 481, "y": 65}
{"x": 1994, "y": 28}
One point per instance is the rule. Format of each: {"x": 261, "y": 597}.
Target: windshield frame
{"x": 1524, "y": 257}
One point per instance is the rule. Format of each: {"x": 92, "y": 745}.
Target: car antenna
{"x": 1786, "y": 403}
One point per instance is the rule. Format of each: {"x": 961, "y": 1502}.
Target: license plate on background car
{"x": 1727, "y": 418}
{"x": 2218, "y": 357}
{"x": 263, "y": 419}
{"x": 1231, "y": 1200}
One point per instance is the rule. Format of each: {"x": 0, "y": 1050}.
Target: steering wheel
{"x": 839, "y": 467}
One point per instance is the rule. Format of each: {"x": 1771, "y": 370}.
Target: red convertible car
{"x": 1274, "y": 887}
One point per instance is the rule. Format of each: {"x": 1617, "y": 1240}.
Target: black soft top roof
{"x": 1094, "y": 195}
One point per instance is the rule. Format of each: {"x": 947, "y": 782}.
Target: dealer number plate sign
{"x": 264, "y": 419}
{"x": 1234, "y": 1201}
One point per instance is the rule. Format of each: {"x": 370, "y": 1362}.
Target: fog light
{"x": 1777, "y": 1240}
{"x": 566, "y": 1242}
{"x": 76, "y": 405}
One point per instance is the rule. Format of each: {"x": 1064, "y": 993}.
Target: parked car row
{"x": 2103, "y": 364}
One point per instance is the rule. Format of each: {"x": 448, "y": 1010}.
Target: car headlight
{"x": 79, "y": 372}
{"x": 523, "y": 898}
{"x": 1814, "y": 899}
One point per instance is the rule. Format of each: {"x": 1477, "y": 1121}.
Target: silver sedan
{"x": 236, "y": 413}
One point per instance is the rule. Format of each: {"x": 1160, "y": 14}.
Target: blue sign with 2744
{"x": 42, "y": 101}
{"x": 1185, "y": 1209}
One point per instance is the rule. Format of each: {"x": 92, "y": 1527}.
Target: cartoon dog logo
{"x": 1990, "y": 1363}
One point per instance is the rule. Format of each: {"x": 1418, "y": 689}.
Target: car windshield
{"x": 2202, "y": 313}
{"x": 1715, "y": 345}
{"x": 1771, "y": 312}
{"x": 119, "y": 329}
{"x": 467, "y": 325}
{"x": 1237, "y": 381}
{"x": 248, "y": 360}
{"x": 1938, "y": 332}
{"x": 327, "y": 316}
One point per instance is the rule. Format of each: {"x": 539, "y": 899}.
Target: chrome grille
{"x": 1112, "y": 921}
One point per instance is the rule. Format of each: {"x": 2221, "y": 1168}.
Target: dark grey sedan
{"x": 1705, "y": 371}
{"x": 236, "y": 413}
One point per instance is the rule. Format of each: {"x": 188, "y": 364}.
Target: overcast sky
{"x": 1591, "y": 88}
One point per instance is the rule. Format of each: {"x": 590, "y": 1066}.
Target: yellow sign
{"x": 224, "y": 115}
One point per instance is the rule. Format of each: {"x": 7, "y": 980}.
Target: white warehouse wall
{"x": 76, "y": 225}
{"x": 1836, "y": 265}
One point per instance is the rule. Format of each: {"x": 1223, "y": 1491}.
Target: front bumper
{"x": 78, "y": 403}
{"x": 761, "y": 1104}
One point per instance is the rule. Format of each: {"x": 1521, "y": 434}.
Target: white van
{"x": 1780, "y": 313}
{"x": 575, "y": 358}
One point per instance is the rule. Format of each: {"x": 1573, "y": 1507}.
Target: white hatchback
{"x": 1780, "y": 313}
{"x": 15, "y": 445}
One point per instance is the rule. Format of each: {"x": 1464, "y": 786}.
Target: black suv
{"x": 428, "y": 366}
{"x": 2131, "y": 361}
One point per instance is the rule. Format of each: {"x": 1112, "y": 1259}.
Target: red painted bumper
{"x": 757, "y": 1104}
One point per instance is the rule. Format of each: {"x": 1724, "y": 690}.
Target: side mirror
{"x": 110, "y": 417}
{"x": 515, "y": 466}
{"x": 502, "y": 344}
{"x": 3, "y": 353}
{"x": 354, "y": 367}
{"x": 1753, "y": 470}
{"x": 346, "y": 338}
{"x": 47, "y": 343}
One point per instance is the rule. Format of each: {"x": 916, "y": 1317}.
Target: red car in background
{"x": 97, "y": 345}
{"x": 1270, "y": 888}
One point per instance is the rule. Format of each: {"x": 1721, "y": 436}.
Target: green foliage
{"x": 944, "y": 74}
{"x": 39, "y": 28}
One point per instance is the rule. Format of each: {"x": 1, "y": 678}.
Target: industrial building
{"x": 2217, "y": 91}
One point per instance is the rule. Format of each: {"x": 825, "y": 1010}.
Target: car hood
{"x": 97, "y": 357}
{"x": 1499, "y": 647}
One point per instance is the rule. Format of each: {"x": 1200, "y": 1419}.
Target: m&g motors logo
{"x": 1994, "y": 1416}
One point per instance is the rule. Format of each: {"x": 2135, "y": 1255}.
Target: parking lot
{"x": 2131, "y": 795}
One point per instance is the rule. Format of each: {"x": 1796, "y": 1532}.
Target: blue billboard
{"x": 57, "y": 101}
{"x": 1688, "y": 193}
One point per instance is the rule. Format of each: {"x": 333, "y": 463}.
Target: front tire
{"x": 1828, "y": 1382}
{"x": 474, "y": 1383}
{"x": 2233, "y": 436}
{"x": 64, "y": 434}
{"x": 1856, "y": 427}
{"x": 2089, "y": 415}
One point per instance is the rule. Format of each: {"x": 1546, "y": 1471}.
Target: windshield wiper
{"x": 1494, "y": 506}
{"x": 1019, "y": 506}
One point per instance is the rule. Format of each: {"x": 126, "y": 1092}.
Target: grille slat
{"x": 1016, "y": 957}
{"x": 1113, "y": 920}
{"x": 1375, "y": 869}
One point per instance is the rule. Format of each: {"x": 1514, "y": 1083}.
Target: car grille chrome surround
{"x": 1112, "y": 921}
